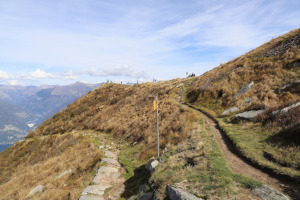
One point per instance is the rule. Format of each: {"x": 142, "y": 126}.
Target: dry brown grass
{"x": 125, "y": 112}
{"x": 269, "y": 74}
{"x": 271, "y": 141}
{"x": 122, "y": 111}
{"x": 40, "y": 160}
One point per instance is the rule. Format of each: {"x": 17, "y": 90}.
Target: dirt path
{"x": 240, "y": 166}
{"x": 108, "y": 182}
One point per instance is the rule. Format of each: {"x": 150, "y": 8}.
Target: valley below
{"x": 23, "y": 108}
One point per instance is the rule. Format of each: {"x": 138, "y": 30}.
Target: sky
{"x": 92, "y": 41}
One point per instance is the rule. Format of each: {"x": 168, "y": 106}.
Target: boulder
{"x": 267, "y": 193}
{"x": 294, "y": 84}
{"x": 248, "y": 115}
{"x": 146, "y": 196}
{"x": 179, "y": 194}
{"x": 285, "y": 109}
{"x": 230, "y": 110}
{"x": 132, "y": 198}
{"x": 247, "y": 100}
{"x": 244, "y": 89}
{"x": 39, "y": 188}
{"x": 91, "y": 197}
{"x": 296, "y": 64}
{"x": 152, "y": 164}
{"x": 143, "y": 188}
{"x": 64, "y": 173}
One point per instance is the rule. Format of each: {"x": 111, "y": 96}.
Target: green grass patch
{"x": 202, "y": 169}
{"x": 136, "y": 174}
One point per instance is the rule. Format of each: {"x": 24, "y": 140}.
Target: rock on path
{"x": 107, "y": 178}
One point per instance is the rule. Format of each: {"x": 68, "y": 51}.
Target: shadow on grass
{"x": 140, "y": 177}
{"x": 291, "y": 184}
{"x": 287, "y": 137}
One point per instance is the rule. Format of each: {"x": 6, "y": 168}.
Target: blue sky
{"x": 64, "y": 41}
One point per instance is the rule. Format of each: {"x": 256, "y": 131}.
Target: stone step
{"x": 105, "y": 169}
{"x": 110, "y": 154}
{"x": 94, "y": 190}
{"x": 111, "y": 161}
{"x": 91, "y": 197}
{"x": 106, "y": 178}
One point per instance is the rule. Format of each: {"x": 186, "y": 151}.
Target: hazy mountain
{"x": 31, "y": 105}
{"x": 13, "y": 122}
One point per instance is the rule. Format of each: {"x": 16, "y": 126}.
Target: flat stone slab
{"x": 230, "y": 110}
{"x": 98, "y": 179}
{"x": 249, "y": 114}
{"x": 39, "y": 188}
{"x": 244, "y": 89}
{"x": 101, "y": 178}
{"x": 64, "y": 173}
{"x": 286, "y": 109}
{"x": 91, "y": 197}
{"x": 94, "y": 190}
{"x": 267, "y": 193}
{"x": 146, "y": 196}
{"x": 105, "y": 169}
{"x": 179, "y": 194}
{"x": 110, "y": 154}
{"x": 110, "y": 161}
{"x": 115, "y": 176}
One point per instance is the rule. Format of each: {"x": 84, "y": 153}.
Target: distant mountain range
{"x": 22, "y": 108}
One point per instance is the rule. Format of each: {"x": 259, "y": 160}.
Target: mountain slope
{"x": 274, "y": 69}
{"x": 40, "y": 102}
{"x": 271, "y": 139}
{"x": 192, "y": 159}
{"x": 13, "y": 122}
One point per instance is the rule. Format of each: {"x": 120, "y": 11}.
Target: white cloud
{"x": 68, "y": 75}
{"x": 124, "y": 70}
{"x": 39, "y": 74}
{"x": 4, "y": 75}
{"x": 15, "y": 82}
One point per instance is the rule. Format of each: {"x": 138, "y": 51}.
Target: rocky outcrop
{"x": 179, "y": 194}
{"x": 248, "y": 115}
{"x": 286, "y": 87}
{"x": 281, "y": 48}
{"x": 267, "y": 193}
{"x": 146, "y": 196}
{"x": 152, "y": 164}
{"x": 39, "y": 188}
{"x": 244, "y": 89}
{"x": 285, "y": 109}
{"x": 296, "y": 64}
{"x": 247, "y": 100}
{"x": 64, "y": 173}
{"x": 230, "y": 110}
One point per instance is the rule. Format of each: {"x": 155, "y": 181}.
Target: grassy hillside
{"x": 270, "y": 67}
{"x": 40, "y": 160}
{"x": 126, "y": 114}
{"x": 270, "y": 140}
{"x": 193, "y": 160}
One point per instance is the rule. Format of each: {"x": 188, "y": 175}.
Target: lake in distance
{"x": 4, "y": 146}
